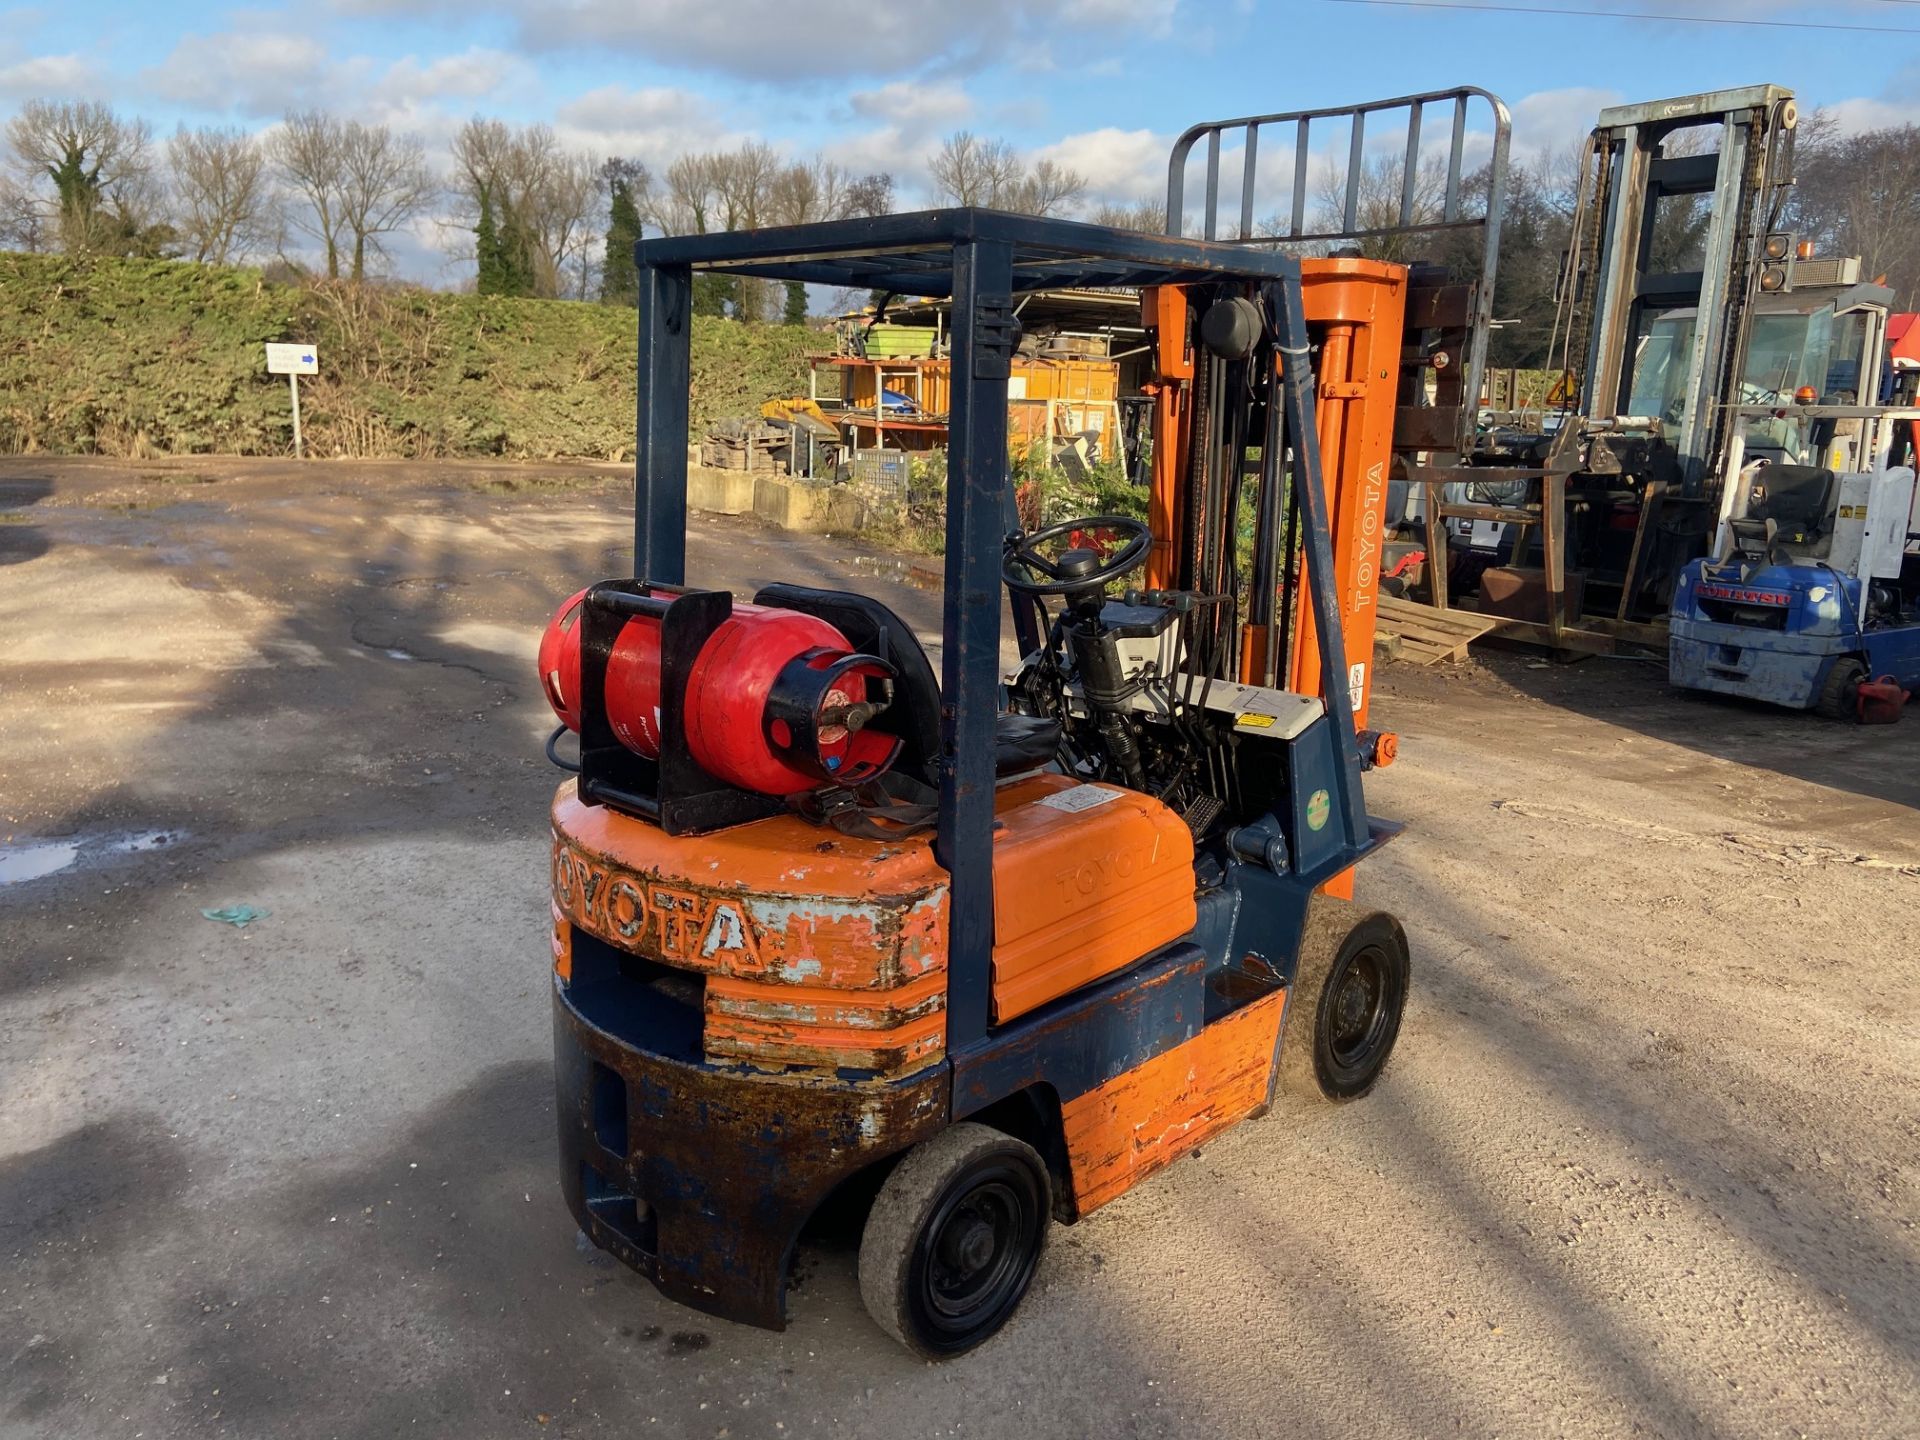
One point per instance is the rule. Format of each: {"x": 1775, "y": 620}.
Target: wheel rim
{"x": 1360, "y": 1012}
{"x": 977, "y": 1252}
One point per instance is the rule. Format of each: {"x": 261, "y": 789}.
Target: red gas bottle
{"x": 777, "y": 702}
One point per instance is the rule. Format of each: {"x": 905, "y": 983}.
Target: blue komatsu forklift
{"x": 1811, "y": 597}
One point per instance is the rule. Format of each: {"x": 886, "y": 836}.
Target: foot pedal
{"x": 1200, "y": 814}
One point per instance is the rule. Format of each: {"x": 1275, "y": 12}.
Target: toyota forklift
{"x": 990, "y": 948}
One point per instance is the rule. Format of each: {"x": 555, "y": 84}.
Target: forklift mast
{"x": 1397, "y": 346}
{"x": 1639, "y": 160}
{"x": 1672, "y": 242}
{"x": 1398, "y": 292}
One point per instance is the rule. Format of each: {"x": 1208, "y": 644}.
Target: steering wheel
{"x": 1028, "y": 572}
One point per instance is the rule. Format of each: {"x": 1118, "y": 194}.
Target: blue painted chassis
{"x": 1788, "y": 666}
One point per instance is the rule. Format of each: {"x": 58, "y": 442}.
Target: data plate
{"x": 1080, "y": 797}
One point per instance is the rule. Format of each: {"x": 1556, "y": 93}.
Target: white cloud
{"x": 255, "y": 72}
{"x": 47, "y": 77}
{"x": 653, "y": 125}
{"x": 473, "y": 73}
{"x": 268, "y": 73}
{"x": 1121, "y": 165}
{"x": 762, "y": 39}
{"x": 1154, "y": 16}
{"x": 913, "y": 108}
{"x": 1875, "y": 113}
{"x": 775, "y": 41}
{"x": 1551, "y": 120}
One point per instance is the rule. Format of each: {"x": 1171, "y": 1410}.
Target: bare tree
{"x": 1149, "y": 216}
{"x": 1859, "y": 194}
{"x": 870, "y": 195}
{"x": 968, "y": 170}
{"x": 385, "y": 184}
{"x": 566, "y": 229}
{"x": 223, "y": 201}
{"x": 310, "y": 151}
{"x": 1379, "y": 202}
{"x": 23, "y": 220}
{"x": 1046, "y": 189}
{"x": 529, "y": 203}
{"x": 743, "y": 180}
{"x": 98, "y": 168}
{"x": 687, "y": 203}
{"x": 352, "y": 184}
{"x": 808, "y": 191}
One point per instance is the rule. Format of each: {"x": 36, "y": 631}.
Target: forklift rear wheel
{"x": 954, "y": 1238}
{"x": 1840, "y": 696}
{"x": 1351, "y": 988}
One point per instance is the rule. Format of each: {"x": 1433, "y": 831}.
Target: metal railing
{"x": 1344, "y": 216}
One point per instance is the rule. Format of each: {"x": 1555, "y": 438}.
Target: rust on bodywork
{"x": 816, "y": 949}
{"x": 704, "y": 1185}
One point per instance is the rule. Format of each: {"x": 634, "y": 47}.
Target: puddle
{"x": 30, "y": 862}
{"x": 142, "y": 840}
{"x": 398, "y": 654}
{"x": 34, "y": 860}
{"x": 924, "y": 575}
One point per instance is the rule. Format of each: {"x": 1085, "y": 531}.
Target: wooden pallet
{"x": 1427, "y": 636}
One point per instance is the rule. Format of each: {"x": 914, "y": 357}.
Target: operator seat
{"x": 1795, "y": 498}
{"x": 1022, "y": 743}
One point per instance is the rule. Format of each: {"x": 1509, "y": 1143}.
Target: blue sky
{"x": 1100, "y": 84}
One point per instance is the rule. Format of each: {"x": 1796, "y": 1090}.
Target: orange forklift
{"x": 989, "y": 948}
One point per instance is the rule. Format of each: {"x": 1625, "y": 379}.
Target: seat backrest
{"x": 873, "y": 629}
{"x": 1796, "y": 499}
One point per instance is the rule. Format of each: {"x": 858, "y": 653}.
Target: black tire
{"x": 1350, "y": 992}
{"x": 1840, "y": 696}
{"x": 954, "y": 1238}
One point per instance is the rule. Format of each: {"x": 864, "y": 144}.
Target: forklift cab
{"x": 825, "y": 926}
{"x": 1812, "y": 352}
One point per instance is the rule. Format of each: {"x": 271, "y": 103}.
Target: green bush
{"x": 142, "y": 357}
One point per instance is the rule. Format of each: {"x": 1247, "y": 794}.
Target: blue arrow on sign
{"x": 306, "y": 359}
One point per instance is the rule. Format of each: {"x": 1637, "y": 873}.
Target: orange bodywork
{"x": 816, "y": 948}
{"x": 1359, "y": 308}
{"x": 1137, "y": 1122}
{"x": 1164, "y": 311}
{"x": 1357, "y": 312}
{"x": 823, "y": 950}
{"x": 1080, "y": 891}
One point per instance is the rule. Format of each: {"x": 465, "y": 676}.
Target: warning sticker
{"x": 1080, "y": 797}
{"x": 1254, "y": 722}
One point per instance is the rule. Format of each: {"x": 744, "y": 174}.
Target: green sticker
{"x": 1318, "y": 808}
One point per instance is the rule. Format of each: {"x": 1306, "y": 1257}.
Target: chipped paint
{"x": 854, "y": 980}
{"x": 1143, "y": 1118}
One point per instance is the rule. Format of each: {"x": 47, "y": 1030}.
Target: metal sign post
{"x": 293, "y": 361}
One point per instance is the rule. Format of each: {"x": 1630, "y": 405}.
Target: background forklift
{"x": 822, "y": 921}
{"x": 1594, "y": 508}
{"x": 1811, "y": 596}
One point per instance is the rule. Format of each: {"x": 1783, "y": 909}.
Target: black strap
{"x": 886, "y": 808}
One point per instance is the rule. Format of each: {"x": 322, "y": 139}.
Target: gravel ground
{"x": 1645, "y": 1162}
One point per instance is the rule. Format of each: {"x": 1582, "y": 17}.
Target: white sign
{"x": 292, "y": 360}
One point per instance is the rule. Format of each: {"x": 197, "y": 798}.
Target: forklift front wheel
{"x": 1349, "y": 993}
{"x": 1840, "y": 696}
{"x": 954, "y": 1239}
